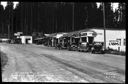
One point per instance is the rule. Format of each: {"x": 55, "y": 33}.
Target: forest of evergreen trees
{"x": 51, "y": 17}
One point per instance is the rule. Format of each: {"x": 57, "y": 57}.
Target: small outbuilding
{"x": 26, "y": 39}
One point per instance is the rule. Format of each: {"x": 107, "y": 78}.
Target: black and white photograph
{"x": 70, "y": 42}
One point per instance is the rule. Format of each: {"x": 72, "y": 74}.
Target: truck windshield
{"x": 84, "y": 39}
{"x": 90, "y": 40}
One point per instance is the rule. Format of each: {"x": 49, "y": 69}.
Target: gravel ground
{"x": 34, "y": 63}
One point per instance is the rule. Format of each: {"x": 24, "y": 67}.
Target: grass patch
{"x": 4, "y": 59}
{"x": 116, "y": 52}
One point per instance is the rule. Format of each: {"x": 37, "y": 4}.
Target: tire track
{"x": 31, "y": 54}
{"x": 103, "y": 66}
{"x": 92, "y": 73}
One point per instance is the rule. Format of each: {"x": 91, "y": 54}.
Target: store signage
{"x": 83, "y": 33}
{"x": 115, "y": 42}
{"x": 88, "y": 34}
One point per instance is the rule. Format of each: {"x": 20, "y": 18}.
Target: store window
{"x": 124, "y": 42}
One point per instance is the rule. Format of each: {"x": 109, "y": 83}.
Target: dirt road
{"x": 35, "y": 63}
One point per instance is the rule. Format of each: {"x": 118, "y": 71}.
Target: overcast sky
{"x": 114, "y": 5}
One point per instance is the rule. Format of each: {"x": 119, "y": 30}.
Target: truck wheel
{"x": 69, "y": 48}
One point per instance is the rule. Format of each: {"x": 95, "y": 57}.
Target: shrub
{"x": 112, "y": 51}
{"x": 4, "y": 59}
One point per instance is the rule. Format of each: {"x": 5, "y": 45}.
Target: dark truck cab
{"x": 84, "y": 46}
{"x": 98, "y": 47}
{"x": 73, "y": 46}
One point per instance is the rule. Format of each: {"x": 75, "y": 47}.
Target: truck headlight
{"x": 103, "y": 48}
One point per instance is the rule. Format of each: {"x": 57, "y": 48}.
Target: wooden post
{"x": 73, "y": 16}
{"x": 104, "y": 26}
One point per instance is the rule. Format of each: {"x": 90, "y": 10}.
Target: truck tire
{"x": 93, "y": 51}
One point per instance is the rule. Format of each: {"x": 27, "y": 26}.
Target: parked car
{"x": 73, "y": 46}
{"x": 98, "y": 47}
{"x": 84, "y": 46}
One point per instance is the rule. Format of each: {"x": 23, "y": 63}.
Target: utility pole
{"x": 31, "y": 18}
{"x": 1, "y": 16}
{"x": 21, "y": 17}
{"x": 2, "y": 27}
{"x": 12, "y": 23}
{"x": 56, "y": 19}
{"x": 9, "y": 25}
{"x": 26, "y": 29}
{"x": 73, "y": 16}
{"x": 8, "y": 31}
{"x": 104, "y": 26}
{"x": 38, "y": 17}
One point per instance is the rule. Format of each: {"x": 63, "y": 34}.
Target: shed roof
{"x": 56, "y": 35}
